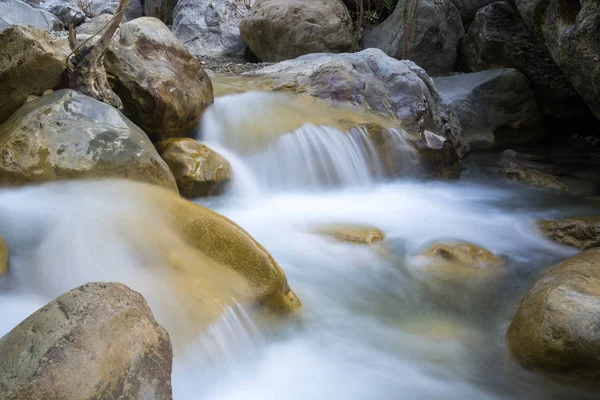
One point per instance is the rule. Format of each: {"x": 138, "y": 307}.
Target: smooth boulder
{"x": 278, "y": 30}
{"x": 436, "y": 39}
{"x": 164, "y": 89}
{"x": 555, "y": 328}
{"x": 3, "y": 257}
{"x": 16, "y": 12}
{"x": 31, "y": 62}
{"x": 533, "y": 177}
{"x": 580, "y": 232}
{"x": 99, "y": 341}
{"x": 496, "y": 108}
{"x": 66, "y": 135}
{"x": 199, "y": 171}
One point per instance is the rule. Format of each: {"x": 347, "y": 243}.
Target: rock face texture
{"x": 436, "y": 39}
{"x": 163, "y": 88}
{"x": 278, "y": 30}
{"x": 498, "y": 38}
{"x": 580, "y": 232}
{"x": 555, "y": 328}
{"x": 16, "y": 12}
{"x": 97, "y": 341}
{"x": 66, "y": 135}
{"x": 496, "y": 108}
{"x": 569, "y": 29}
{"x": 533, "y": 177}
{"x": 198, "y": 170}
{"x": 30, "y": 63}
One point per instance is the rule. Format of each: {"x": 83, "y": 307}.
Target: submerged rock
{"x": 198, "y": 170}
{"x": 353, "y": 233}
{"x": 533, "y": 177}
{"x": 99, "y": 340}
{"x": 436, "y": 38}
{"x": 3, "y": 257}
{"x": 496, "y": 108}
{"x": 278, "y": 30}
{"x": 163, "y": 88}
{"x": 30, "y": 62}
{"x": 16, "y": 12}
{"x": 66, "y": 135}
{"x": 580, "y": 232}
{"x": 462, "y": 253}
{"x": 555, "y": 328}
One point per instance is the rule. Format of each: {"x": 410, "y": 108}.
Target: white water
{"x": 369, "y": 328}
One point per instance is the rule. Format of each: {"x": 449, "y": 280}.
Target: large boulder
{"x": 77, "y": 11}
{"x": 3, "y": 257}
{"x": 468, "y": 8}
{"x": 580, "y": 232}
{"x": 30, "y": 63}
{"x": 16, "y": 12}
{"x": 436, "y": 39}
{"x": 210, "y": 28}
{"x": 277, "y": 30}
{"x": 533, "y": 177}
{"x": 498, "y": 38}
{"x": 569, "y": 29}
{"x": 135, "y": 8}
{"x": 199, "y": 171}
{"x": 496, "y": 108}
{"x": 161, "y": 9}
{"x": 66, "y": 135}
{"x": 163, "y": 88}
{"x": 97, "y": 341}
{"x": 555, "y": 328}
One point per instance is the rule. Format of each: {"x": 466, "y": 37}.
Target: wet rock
{"x": 580, "y": 232}
{"x": 353, "y": 233}
{"x": 66, "y": 135}
{"x": 210, "y": 28}
{"x": 569, "y": 29}
{"x": 163, "y": 88}
{"x": 277, "y": 30}
{"x": 498, "y": 38}
{"x": 99, "y": 340}
{"x": 198, "y": 170}
{"x": 555, "y": 327}
{"x": 30, "y": 63}
{"x": 3, "y": 257}
{"x": 533, "y": 177}
{"x": 436, "y": 39}
{"x": 16, "y": 12}
{"x": 161, "y": 9}
{"x": 496, "y": 108}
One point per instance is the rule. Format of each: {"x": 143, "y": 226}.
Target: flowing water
{"x": 374, "y": 324}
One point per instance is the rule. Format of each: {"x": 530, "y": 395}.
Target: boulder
{"x": 198, "y": 170}
{"x": 163, "y": 88}
{"x": 555, "y": 328}
{"x": 161, "y": 9}
{"x": 65, "y": 10}
{"x": 210, "y": 28}
{"x": 352, "y": 233}
{"x": 77, "y": 11}
{"x": 135, "y": 8}
{"x": 66, "y": 135}
{"x": 498, "y": 38}
{"x": 436, "y": 39}
{"x": 277, "y": 30}
{"x": 580, "y": 232}
{"x": 533, "y": 177}
{"x": 496, "y": 108}
{"x": 569, "y": 29}
{"x": 16, "y": 12}
{"x": 468, "y": 8}
{"x": 98, "y": 341}
{"x": 30, "y": 63}
{"x": 3, "y": 257}
{"x": 93, "y": 25}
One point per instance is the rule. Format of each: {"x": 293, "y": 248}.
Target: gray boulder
{"x": 161, "y": 9}
{"x": 16, "y": 12}
{"x": 436, "y": 40}
{"x": 67, "y": 10}
{"x": 496, "y": 108}
{"x": 468, "y": 8}
{"x": 97, "y": 341}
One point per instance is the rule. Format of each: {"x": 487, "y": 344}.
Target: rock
{"x": 78, "y": 11}
{"x": 93, "y": 25}
{"x": 65, "y": 10}
{"x": 198, "y": 170}
{"x": 163, "y": 88}
{"x": 99, "y": 341}
{"x": 468, "y": 8}
{"x": 3, "y": 257}
{"x": 210, "y": 28}
{"x": 16, "y": 12}
{"x": 30, "y": 63}
{"x": 66, "y": 135}
{"x": 496, "y": 108}
{"x": 533, "y": 177}
{"x": 368, "y": 5}
{"x": 498, "y": 38}
{"x": 353, "y": 233}
{"x": 135, "y": 8}
{"x": 436, "y": 39}
{"x": 161, "y": 9}
{"x": 555, "y": 327}
{"x": 580, "y": 232}
{"x": 277, "y": 30}
{"x": 569, "y": 29}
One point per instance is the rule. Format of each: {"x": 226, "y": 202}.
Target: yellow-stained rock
{"x": 3, "y": 257}
{"x": 533, "y": 177}
{"x": 198, "y": 170}
{"x": 580, "y": 232}
{"x": 353, "y": 233}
